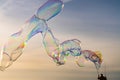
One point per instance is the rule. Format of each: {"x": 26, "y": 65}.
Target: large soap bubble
{"x": 15, "y": 44}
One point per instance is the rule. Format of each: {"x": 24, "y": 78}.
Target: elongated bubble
{"x": 58, "y": 51}
{"x": 51, "y": 45}
{"x": 14, "y": 46}
{"x": 50, "y": 9}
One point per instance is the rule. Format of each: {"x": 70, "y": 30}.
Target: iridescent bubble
{"x": 16, "y": 43}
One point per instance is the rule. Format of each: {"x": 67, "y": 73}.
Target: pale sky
{"x": 96, "y": 23}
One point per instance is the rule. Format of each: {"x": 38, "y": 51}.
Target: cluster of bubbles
{"x": 13, "y": 48}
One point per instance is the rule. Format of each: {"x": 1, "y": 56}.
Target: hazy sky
{"x": 95, "y": 22}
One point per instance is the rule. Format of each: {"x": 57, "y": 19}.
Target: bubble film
{"x": 58, "y": 51}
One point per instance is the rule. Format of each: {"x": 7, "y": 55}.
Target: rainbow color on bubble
{"x": 58, "y": 51}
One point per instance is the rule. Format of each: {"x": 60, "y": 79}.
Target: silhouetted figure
{"x": 102, "y": 77}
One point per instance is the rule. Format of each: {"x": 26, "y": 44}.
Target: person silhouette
{"x": 102, "y": 77}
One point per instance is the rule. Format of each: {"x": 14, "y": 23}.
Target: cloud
{"x": 16, "y": 8}
{"x": 65, "y": 1}
{"x": 4, "y": 3}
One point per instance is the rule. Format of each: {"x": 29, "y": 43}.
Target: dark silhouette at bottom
{"x": 102, "y": 77}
